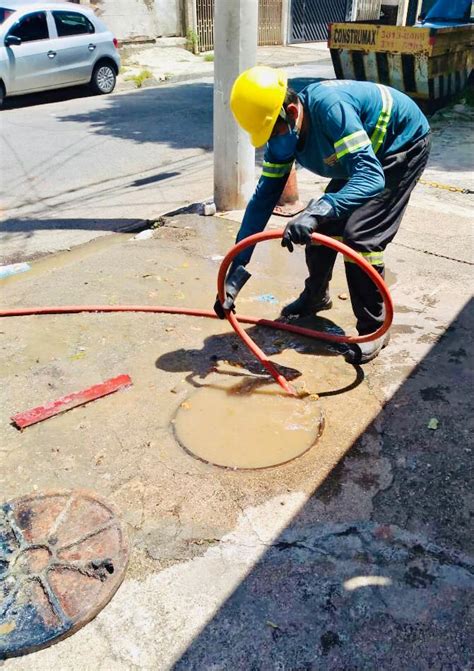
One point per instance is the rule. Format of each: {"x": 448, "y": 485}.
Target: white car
{"x": 51, "y": 45}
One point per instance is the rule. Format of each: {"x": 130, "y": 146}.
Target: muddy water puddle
{"x": 247, "y": 426}
{"x": 54, "y": 262}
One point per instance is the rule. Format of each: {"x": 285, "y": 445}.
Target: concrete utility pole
{"x": 285, "y": 18}
{"x": 235, "y": 50}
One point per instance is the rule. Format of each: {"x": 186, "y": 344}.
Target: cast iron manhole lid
{"x": 62, "y": 557}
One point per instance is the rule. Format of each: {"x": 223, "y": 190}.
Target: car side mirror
{"x": 12, "y": 41}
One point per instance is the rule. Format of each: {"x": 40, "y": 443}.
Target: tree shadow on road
{"x": 179, "y": 115}
{"x": 176, "y": 115}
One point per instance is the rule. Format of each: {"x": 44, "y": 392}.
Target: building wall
{"x": 169, "y": 17}
{"x": 135, "y": 20}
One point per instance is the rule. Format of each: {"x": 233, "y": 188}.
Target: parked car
{"x": 51, "y": 45}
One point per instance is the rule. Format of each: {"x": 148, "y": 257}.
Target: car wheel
{"x": 103, "y": 79}
{"x": 2, "y": 95}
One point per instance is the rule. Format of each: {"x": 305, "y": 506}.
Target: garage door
{"x": 269, "y": 23}
{"x": 310, "y": 18}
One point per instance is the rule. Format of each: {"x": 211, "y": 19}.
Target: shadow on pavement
{"x": 29, "y": 226}
{"x": 179, "y": 116}
{"x": 47, "y": 97}
{"x": 334, "y": 591}
{"x": 229, "y": 349}
{"x": 152, "y": 179}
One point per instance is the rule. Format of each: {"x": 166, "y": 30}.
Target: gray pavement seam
{"x": 425, "y": 251}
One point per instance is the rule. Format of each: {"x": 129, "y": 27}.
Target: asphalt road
{"x": 80, "y": 167}
{"x": 76, "y": 167}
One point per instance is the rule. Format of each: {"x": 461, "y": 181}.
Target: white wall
{"x": 168, "y": 17}
{"x": 140, "y": 19}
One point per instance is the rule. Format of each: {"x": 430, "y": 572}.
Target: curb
{"x": 210, "y": 73}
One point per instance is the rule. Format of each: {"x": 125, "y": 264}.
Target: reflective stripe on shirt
{"x": 276, "y": 169}
{"x": 359, "y": 139}
{"x": 381, "y": 126}
{"x": 351, "y": 143}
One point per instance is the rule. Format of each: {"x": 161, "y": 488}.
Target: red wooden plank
{"x": 24, "y": 419}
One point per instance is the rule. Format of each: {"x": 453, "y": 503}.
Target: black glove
{"x": 233, "y": 284}
{"x": 298, "y": 230}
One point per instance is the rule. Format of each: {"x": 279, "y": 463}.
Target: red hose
{"x": 329, "y": 242}
{"x": 234, "y": 321}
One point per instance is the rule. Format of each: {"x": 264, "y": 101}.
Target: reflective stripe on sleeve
{"x": 276, "y": 169}
{"x": 381, "y": 126}
{"x": 351, "y": 143}
{"x": 374, "y": 258}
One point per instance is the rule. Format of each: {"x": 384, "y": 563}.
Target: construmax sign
{"x": 351, "y": 36}
{"x": 366, "y": 37}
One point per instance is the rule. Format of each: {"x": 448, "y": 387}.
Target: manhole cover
{"x": 247, "y": 427}
{"x": 62, "y": 557}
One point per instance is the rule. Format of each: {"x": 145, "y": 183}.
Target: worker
{"x": 372, "y": 141}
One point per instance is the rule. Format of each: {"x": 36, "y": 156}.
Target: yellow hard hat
{"x": 256, "y": 100}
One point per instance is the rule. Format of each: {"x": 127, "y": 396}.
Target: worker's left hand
{"x": 298, "y": 231}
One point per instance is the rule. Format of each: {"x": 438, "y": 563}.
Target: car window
{"x": 31, "y": 27}
{"x": 72, "y": 23}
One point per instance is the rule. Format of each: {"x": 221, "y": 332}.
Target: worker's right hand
{"x": 233, "y": 284}
{"x": 299, "y": 230}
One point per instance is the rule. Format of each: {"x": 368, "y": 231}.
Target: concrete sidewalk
{"x": 354, "y": 556}
{"x": 168, "y": 60}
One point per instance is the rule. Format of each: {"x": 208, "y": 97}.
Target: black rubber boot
{"x": 304, "y": 305}
{"x": 368, "y": 307}
{"x": 366, "y": 351}
{"x": 315, "y": 296}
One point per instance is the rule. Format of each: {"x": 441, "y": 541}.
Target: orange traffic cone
{"x": 289, "y": 204}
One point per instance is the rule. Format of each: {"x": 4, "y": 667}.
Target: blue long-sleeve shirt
{"x": 351, "y": 127}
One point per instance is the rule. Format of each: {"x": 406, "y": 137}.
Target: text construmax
{"x": 354, "y": 36}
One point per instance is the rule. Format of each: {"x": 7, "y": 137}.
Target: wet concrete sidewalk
{"x": 355, "y": 555}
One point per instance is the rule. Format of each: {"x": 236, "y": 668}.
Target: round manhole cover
{"x": 247, "y": 427}
{"x": 62, "y": 557}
